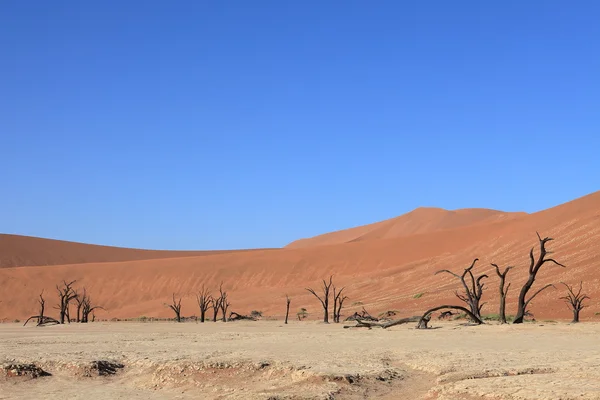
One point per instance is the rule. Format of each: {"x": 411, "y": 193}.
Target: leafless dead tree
{"x": 534, "y": 268}
{"x": 224, "y": 302}
{"x": 41, "y": 318}
{"x": 383, "y": 325}
{"x": 325, "y": 299}
{"x": 575, "y": 300}
{"x": 215, "y": 303}
{"x": 427, "y": 315}
{"x": 87, "y": 308}
{"x": 338, "y": 302}
{"x": 176, "y": 307}
{"x": 503, "y": 292}
{"x": 361, "y": 316}
{"x": 287, "y": 307}
{"x": 473, "y": 289}
{"x": 203, "y": 298}
{"x": 65, "y": 294}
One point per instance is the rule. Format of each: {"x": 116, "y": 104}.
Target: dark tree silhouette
{"x": 427, "y": 316}
{"x": 503, "y": 292}
{"x": 224, "y": 302}
{"x": 473, "y": 289}
{"x": 203, "y": 298}
{"x": 534, "y": 268}
{"x": 176, "y": 307}
{"x": 216, "y": 306}
{"x": 41, "y": 318}
{"x": 65, "y": 294}
{"x": 287, "y": 308}
{"x": 325, "y": 299}
{"x": 575, "y": 300}
{"x": 338, "y": 302}
{"x": 87, "y": 308}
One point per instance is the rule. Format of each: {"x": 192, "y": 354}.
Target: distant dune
{"x": 387, "y": 265}
{"x": 421, "y": 220}
{"x": 19, "y": 251}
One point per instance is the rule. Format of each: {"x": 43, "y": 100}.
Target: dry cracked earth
{"x": 302, "y": 360}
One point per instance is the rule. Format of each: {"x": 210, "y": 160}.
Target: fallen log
{"x": 42, "y": 321}
{"x": 383, "y": 325}
{"x": 427, "y": 316}
{"x": 233, "y": 316}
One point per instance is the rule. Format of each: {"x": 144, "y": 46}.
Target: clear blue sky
{"x": 202, "y": 125}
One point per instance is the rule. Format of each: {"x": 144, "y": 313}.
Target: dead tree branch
{"x": 203, "y": 298}
{"x": 384, "y": 325}
{"x": 287, "y": 308}
{"x": 65, "y": 295}
{"x": 427, "y": 316}
{"x": 534, "y": 268}
{"x": 575, "y": 300}
{"x": 473, "y": 288}
{"x": 176, "y": 307}
{"x": 503, "y": 291}
{"x": 325, "y": 299}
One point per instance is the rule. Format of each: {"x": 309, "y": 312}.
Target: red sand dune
{"x": 384, "y": 266}
{"x": 19, "y": 251}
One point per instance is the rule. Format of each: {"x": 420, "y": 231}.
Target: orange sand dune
{"x": 382, "y": 273}
{"x": 18, "y": 251}
{"x": 421, "y": 220}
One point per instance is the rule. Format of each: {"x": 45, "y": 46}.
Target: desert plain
{"x": 385, "y": 266}
{"x": 270, "y": 360}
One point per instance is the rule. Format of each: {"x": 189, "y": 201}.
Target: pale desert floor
{"x": 308, "y": 360}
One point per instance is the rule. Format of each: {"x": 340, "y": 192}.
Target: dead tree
{"x": 427, "y": 316}
{"x": 534, "y": 268}
{"x": 325, "y": 300}
{"x": 473, "y": 289}
{"x": 41, "y": 319}
{"x": 575, "y": 300}
{"x": 233, "y": 316}
{"x": 216, "y": 306}
{"x": 362, "y": 316}
{"x": 383, "y": 325}
{"x": 87, "y": 308}
{"x": 176, "y": 307}
{"x": 65, "y": 294}
{"x": 203, "y": 298}
{"x": 287, "y": 307}
{"x": 338, "y": 302}
{"x": 503, "y": 292}
{"x": 224, "y": 302}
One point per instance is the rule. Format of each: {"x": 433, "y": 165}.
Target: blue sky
{"x": 215, "y": 125}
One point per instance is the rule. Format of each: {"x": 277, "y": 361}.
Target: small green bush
{"x": 256, "y": 314}
{"x": 418, "y": 295}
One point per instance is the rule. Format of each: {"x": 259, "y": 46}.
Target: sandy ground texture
{"x": 302, "y": 360}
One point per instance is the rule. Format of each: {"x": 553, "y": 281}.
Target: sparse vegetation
{"x": 302, "y": 314}
{"x": 256, "y": 314}
{"x": 418, "y": 295}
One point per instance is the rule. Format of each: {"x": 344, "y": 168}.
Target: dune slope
{"x": 384, "y": 273}
{"x": 18, "y": 251}
{"x": 418, "y": 221}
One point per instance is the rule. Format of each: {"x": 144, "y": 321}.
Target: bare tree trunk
{"x": 473, "y": 289}
{"x": 575, "y": 300}
{"x": 503, "y": 292}
{"x": 534, "y": 268}
{"x": 325, "y": 299}
{"x": 176, "y": 307}
{"x": 287, "y": 308}
{"x": 65, "y": 295}
{"x": 427, "y": 315}
{"x": 204, "y": 299}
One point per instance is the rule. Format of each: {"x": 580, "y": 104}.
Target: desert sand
{"x": 390, "y": 267}
{"x": 304, "y": 360}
